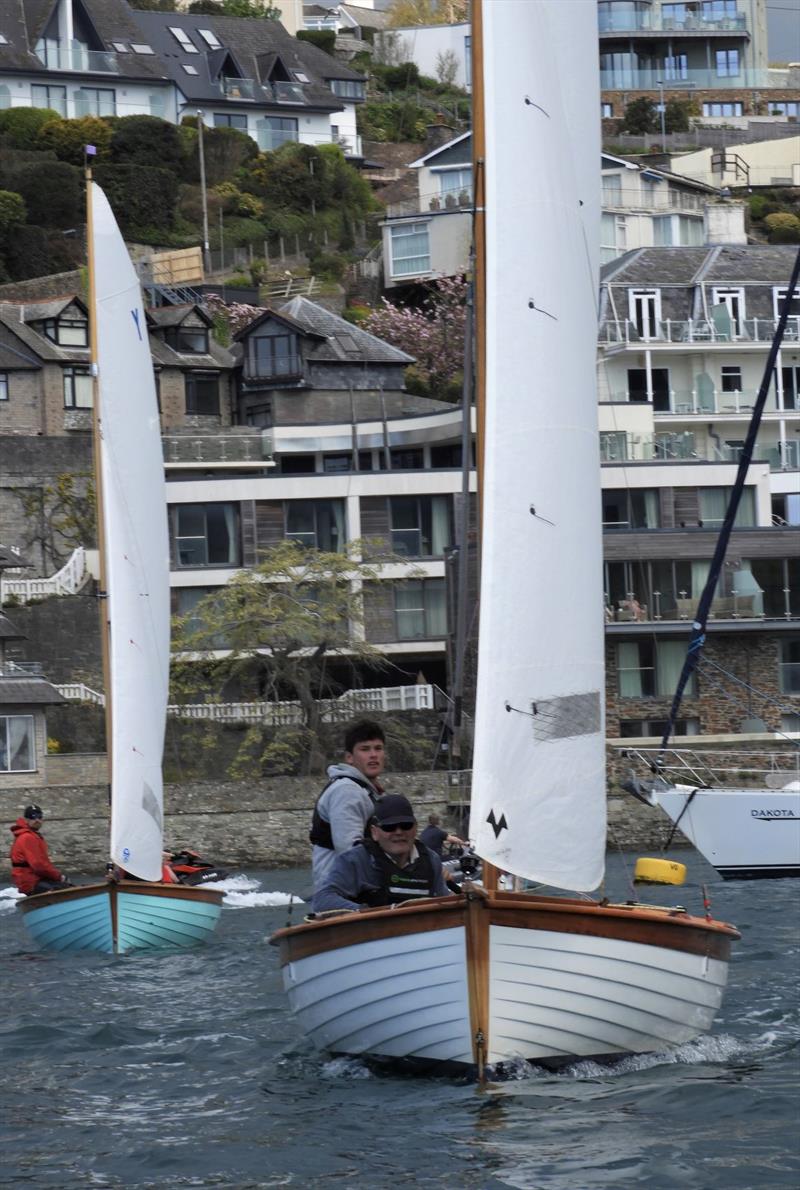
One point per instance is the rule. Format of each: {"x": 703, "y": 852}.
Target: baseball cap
{"x": 32, "y": 812}
{"x": 392, "y": 808}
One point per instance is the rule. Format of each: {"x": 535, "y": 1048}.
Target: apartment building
{"x": 713, "y": 52}
{"x": 684, "y": 338}
{"x": 105, "y": 58}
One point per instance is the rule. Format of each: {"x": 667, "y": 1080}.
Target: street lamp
{"x": 660, "y": 85}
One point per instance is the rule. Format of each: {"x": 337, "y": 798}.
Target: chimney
{"x": 437, "y": 134}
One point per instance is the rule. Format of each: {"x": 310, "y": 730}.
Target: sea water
{"x": 186, "y": 1070}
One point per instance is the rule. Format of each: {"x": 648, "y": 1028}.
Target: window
{"x": 17, "y": 744}
{"x": 467, "y": 62}
{"x": 344, "y": 88}
{"x": 141, "y": 48}
{"x": 729, "y": 312}
{"x": 722, "y": 109}
{"x": 784, "y": 107}
{"x": 302, "y": 78}
{"x": 119, "y": 46}
{"x": 607, "y": 111}
{"x": 650, "y": 669}
{"x": 419, "y": 609}
{"x": 727, "y": 63}
{"x": 630, "y": 509}
{"x": 184, "y": 40}
{"x": 420, "y": 525}
{"x": 337, "y": 464}
{"x": 790, "y": 666}
{"x": 298, "y": 464}
{"x": 206, "y": 534}
{"x": 188, "y": 69}
{"x": 273, "y": 356}
{"x": 410, "y": 249}
{"x": 226, "y": 120}
{"x": 95, "y": 101}
{"x": 455, "y": 182}
{"x": 202, "y": 393}
{"x": 78, "y": 388}
{"x": 446, "y": 455}
{"x": 210, "y": 38}
{"x": 659, "y": 380}
{"x": 3, "y": 386}
{"x": 54, "y": 98}
{"x": 274, "y": 131}
{"x": 408, "y": 458}
{"x": 677, "y": 230}
{"x": 645, "y": 312}
{"x": 731, "y": 378}
{"x": 316, "y": 524}
{"x": 779, "y": 301}
{"x": 648, "y": 728}
{"x": 67, "y": 332}
{"x": 613, "y": 235}
{"x": 713, "y": 504}
{"x": 190, "y": 340}
{"x": 718, "y": 10}
{"x": 676, "y": 66}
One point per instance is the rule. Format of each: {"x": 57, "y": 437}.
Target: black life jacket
{"x": 320, "y": 833}
{"x": 399, "y": 884}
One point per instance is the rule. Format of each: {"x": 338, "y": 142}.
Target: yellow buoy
{"x": 659, "y": 871}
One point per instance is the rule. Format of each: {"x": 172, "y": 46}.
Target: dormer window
{"x": 184, "y": 40}
{"x": 190, "y": 340}
{"x": 272, "y": 353}
{"x": 69, "y": 331}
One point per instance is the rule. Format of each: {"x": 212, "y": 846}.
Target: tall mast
{"x": 105, "y": 623}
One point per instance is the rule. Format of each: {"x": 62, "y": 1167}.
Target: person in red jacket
{"x": 31, "y": 869}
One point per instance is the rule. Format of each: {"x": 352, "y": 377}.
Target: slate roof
{"x": 28, "y": 692}
{"x": 343, "y": 341}
{"x": 679, "y": 272}
{"x": 24, "y": 21}
{"x": 8, "y": 631}
{"x": 252, "y": 47}
{"x": 39, "y": 346}
{"x": 175, "y": 315}
{"x": 8, "y": 559}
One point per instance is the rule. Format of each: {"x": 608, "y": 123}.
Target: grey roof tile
{"x": 28, "y": 692}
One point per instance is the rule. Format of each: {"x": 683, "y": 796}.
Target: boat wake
{"x": 8, "y": 898}
{"x": 241, "y": 892}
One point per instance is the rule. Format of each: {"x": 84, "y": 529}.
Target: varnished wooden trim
{"x": 477, "y": 946}
{"x": 180, "y": 892}
{"x": 59, "y": 895}
{"x": 183, "y": 892}
{"x": 319, "y": 937}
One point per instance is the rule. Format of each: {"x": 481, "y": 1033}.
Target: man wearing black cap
{"x": 31, "y": 869}
{"x": 388, "y": 868}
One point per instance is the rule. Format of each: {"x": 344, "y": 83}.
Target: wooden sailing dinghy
{"x": 491, "y": 976}
{"x": 118, "y": 916}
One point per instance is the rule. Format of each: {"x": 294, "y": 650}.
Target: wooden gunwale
{"x": 183, "y": 892}
{"x": 652, "y": 926}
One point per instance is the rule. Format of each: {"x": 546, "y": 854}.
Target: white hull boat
{"x": 497, "y": 977}
{"x": 486, "y": 976}
{"x": 746, "y": 834}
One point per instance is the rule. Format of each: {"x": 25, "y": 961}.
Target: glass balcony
{"x": 633, "y": 79}
{"x": 241, "y": 446}
{"x": 76, "y": 57}
{"x": 240, "y": 88}
{"x": 636, "y": 22}
{"x": 275, "y": 368}
{"x": 287, "y": 92}
{"x": 785, "y": 456}
{"x": 701, "y": 331}
{"x": 273, "y": 138}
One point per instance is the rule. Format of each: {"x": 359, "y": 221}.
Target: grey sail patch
{"x": 150, "y": 805}
{"x": 562, "y": 718}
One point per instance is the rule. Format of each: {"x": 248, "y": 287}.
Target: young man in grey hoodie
{"x": 347, "y": 802}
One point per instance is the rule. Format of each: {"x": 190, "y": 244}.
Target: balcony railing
{"x": 76, "y": 57}
{"x": 349, "y": 143}
{"x": 625, "y": 79}
{"x": 233, "y": 88}
{"x": 672, "y": 606}
{"x": 273, "y": 138}
{"x": 21, "y": 669}
{"x": 656, "y": 199}
{"x": 638, "y": 22}
{"x": 285, "y": 367}
{"x": 460, "y": 200}
{"x": 242, "y": 446}
{"x": 287, "y": 92}
{"x": 691, "y": 403}
{"x": 702, "y": 331}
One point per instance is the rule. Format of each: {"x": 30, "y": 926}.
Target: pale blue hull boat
{"x": 116, "y": 918}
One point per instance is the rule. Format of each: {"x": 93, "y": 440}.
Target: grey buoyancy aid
{"x": 320, "y": 833}
{"x": 399, "y": 884}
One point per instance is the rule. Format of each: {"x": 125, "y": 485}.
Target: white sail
{"x": 538, "y": 797}
{"x": 136, "y": 549}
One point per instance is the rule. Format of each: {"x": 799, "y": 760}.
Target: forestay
{"x": 538, "y": 798}
{"x": 136, "y": 550}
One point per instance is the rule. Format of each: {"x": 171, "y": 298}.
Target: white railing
{"x": 291, "y": 287}
{"x": 79, "y": 692}
{"x": 698, "y": 330}
{"x": 68, "y": 581}
{"x": 284, "y": 714}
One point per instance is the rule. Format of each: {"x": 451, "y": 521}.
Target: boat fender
{"x": 658, "y": 871}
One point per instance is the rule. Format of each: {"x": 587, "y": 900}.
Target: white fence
{"x": 284, "y": 714}
{"x": 68, "y": 581}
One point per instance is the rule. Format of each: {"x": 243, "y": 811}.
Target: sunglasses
{"x": 390, "y": 827}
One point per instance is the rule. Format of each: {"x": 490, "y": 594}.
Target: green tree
{"x": 52, "y": 193}
{"x": 19, "y": 126}
{"x": 676, "y": 115}
{"x": 145, "y": 140}
{"x": 783, "y": 227}
{"x": 237, "y": 8}
{"x": 282, "y": 622}
{"x": 68, "y": 138}
{"x": 12, "y": 210}
{"x": 640, "y": 116}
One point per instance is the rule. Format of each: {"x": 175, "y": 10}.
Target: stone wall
{"x": 64, "y": 635}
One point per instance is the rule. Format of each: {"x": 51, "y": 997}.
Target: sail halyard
{"x": 135, "y": 548}
{"x": 538, "y": 790}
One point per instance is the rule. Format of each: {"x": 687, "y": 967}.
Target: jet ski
{"x": 461, "y": 864}
{"x": 191, "y": 868}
